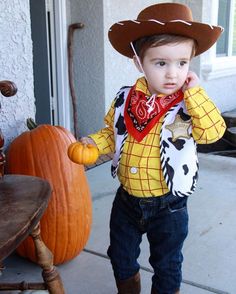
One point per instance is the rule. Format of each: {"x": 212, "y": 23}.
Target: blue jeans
{"x": 165, "y": 221}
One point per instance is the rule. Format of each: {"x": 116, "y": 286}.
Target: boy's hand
{"x": 87, "y": 140}
{"x": 191, "y": 81}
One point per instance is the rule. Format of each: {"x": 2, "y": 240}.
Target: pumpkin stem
{"x": 31, "y": 124}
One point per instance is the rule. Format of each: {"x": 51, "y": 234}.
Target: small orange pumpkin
{"x": 82, "y": 153}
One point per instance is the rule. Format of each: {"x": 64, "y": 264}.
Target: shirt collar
{"x": 141, "y": 85}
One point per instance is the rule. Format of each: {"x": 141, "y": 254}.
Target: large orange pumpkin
{"x": 66, "y": 224}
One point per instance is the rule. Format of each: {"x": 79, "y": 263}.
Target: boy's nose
{"x": 171, "y": 72}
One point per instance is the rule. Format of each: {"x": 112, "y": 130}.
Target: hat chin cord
{"x": 151, "y": 101}
{"x": 138, "y": 59}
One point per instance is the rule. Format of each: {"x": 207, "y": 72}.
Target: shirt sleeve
{"x": 105, "y": 137}
{"x": 208, "y": 125}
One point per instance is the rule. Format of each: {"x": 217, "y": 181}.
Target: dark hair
{"x": 142, "y": 44}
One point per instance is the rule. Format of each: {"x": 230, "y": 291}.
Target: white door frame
{"x": 63, "y": 93}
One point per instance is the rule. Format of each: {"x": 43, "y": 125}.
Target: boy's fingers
{"x": 87, "y": 140}
{"x": 84, "y": 140}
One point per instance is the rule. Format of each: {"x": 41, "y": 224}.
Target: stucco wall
{"x": 16, "y": 65}
{"x": 222, "y": 91}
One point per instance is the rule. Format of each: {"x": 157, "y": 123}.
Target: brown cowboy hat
{"x": 164, "y": 18}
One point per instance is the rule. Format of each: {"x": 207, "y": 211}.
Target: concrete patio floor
{"x": 210, "y": 254}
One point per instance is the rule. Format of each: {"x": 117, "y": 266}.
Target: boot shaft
{"x": 129, "y": 286}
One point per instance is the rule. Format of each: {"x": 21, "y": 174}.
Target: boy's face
{"x": 166, "y": 67}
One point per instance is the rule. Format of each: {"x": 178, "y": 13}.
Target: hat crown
{"x": 166, "y": 12}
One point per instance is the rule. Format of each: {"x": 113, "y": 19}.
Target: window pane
{"x": 223, "y": 20}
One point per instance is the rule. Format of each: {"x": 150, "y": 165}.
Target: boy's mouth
{"x": 169, "y": 85}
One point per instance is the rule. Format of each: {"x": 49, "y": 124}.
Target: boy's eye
{"x": 182, "y": 63}
{"x": 161, "y": 63}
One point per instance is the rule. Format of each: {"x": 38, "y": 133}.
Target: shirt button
{"x": 133, "y": 170}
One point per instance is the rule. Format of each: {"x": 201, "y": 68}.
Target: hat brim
{"x": 123, "y": 33}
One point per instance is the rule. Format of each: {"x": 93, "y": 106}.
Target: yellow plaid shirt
{"x": 140, "y": 170}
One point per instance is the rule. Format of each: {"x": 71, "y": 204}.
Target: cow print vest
{"x": 178, "y": 155}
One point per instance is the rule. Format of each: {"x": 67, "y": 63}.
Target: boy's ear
{"x": 136, "y": 62}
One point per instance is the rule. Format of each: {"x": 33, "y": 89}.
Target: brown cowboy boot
{"x": 153, "y": 291}
{"x": 129, "y": 286}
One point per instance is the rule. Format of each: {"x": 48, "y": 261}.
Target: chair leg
{"x": 50, "y": 275}
{"x": 2, "y": 267}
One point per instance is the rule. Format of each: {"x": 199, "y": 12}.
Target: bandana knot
{"x": 143, "y": 112}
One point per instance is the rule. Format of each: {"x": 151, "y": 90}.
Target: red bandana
{"x": 141, "y": 115}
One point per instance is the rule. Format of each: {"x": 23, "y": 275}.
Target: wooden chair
{"x": 23, "y": 200}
